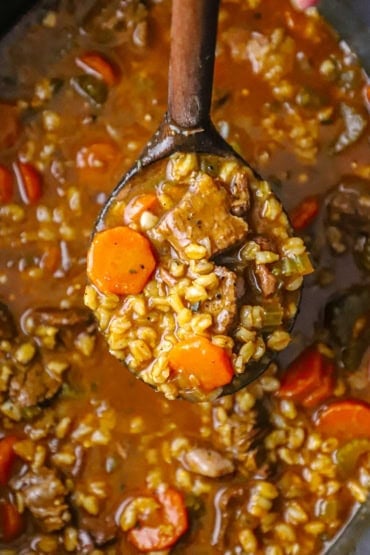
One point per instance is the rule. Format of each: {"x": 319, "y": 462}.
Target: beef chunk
{"x": 59, "y": 317}
{"x": 266, "y": 280}
{"x": 347, "y": 317}
{"x": 239, "y": 191}
{"x": 8, "y": 328}
{"x": 223, "y": 305}
{"x": 44, "y": 495}
{"x": 102, "y": 530}
{"x": 33, "y": 385}
{"x": 349, "y": 205}
{"x": 203, "y": 212}
{"x": 348, "y": 216}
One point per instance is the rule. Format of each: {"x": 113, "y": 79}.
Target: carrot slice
{"x": 323, "y": 391}
{"x": 11, "y": 522}
{"x": 51, "y": 258}
{"x": 29, "y": 182}
{"x": 209, "y": 363}
{"x": 98, "y": 65}
{"x": 138, "y": 205}
{"x": 6, "y": 185}
{"x": 7, "y": 458}
{"x": 304, "y": 214}
{"x": 120, "y": 260}
{"x": 367, "y": 93}
{"x": 302, "y": 376}
{"x": 309, "y": 379}
{"x": 173, "y": 524}
{"x": 345, "y": 420}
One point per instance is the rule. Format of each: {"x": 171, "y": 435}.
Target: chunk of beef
{"x": 349, "y": 205}
{"x": 65, "y": 325}
{"x": 8, "y": 328}
{"x": 348, "y": 216}
{"x": 347, "y": 317}
{"x": 266, "y": 279}
{"x": 32, "y": 385}
{"x": 59, "y": 317}
{"x": 223, "y": 304}
{"x": 207, "y": 462}
{"x": 44, "y": 495}
{"x": 239, "y": 190}
{"x": 101, "y": 530}
{"x": 203, "y": 214}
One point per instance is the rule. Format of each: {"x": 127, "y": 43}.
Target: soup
{"x": 91, "y": 459}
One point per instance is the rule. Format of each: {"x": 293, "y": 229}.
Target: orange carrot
{"x": 6, "y": 185}
{"x": 173, "y": 524}
{"x": 138, "y": 205}
{"x": 51, "y": 258}
{"x": 345, "y": 420}
{"x": 29, "y": 182}
{"x": 322, "y": 392}
{"x": 367, "y": 93}
{"x": 95, "y": 159}
{"x": 198, "y": 357}
{"x": 302, "y": 375}
{"x": 304, "y": 214}
{"x": 98, "y": 65}
{"x": 120, "y": 260}
{"x": 7, "y": 458}
{"x": 11, "y": 522}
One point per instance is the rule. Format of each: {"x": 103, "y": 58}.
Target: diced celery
{"x": 273, "y": 314}
{"x": 348, "y": 455}
{"x": 296, "y": 265}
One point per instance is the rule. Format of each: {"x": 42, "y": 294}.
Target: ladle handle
{"x": 193, "y": 42}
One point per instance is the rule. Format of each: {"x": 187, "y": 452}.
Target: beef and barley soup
{"x": 206, "y": 281}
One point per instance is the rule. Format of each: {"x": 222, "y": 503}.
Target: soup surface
{"x": 91, "y": 459}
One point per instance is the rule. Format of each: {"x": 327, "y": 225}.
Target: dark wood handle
{"x": 193, "y": 42}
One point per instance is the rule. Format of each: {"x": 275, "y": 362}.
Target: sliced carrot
{"x": 11, "y": 522}
{"x": 6, "y": 185}
{"x": 137, "y": 205}
{"x": 98, "y": 65}
{"x": 302, "y": 375}
{"x": 95, "y": 159}
{"x": 321, "y": 392}
{"x": 304, "y": 214}
{"x": 173, "y": 524}
{"x": 309, "y": 379}
{"x": 51, "y": 258}
{"x": 7, "y": 458}
{"x": 29, "y": 182}
{"x": 367, "y": 93}
{"x": 120, "y": 260}
{"x": 199, "y": 357}
{"x": 345, "y": 420}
